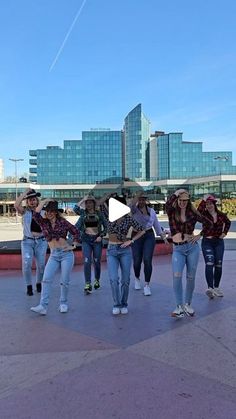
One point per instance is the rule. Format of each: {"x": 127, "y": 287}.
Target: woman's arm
{"x": 18, "y": 203}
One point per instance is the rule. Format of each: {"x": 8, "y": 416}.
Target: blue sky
{"x": 177, "y": 58}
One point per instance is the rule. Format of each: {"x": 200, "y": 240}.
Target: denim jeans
{"x": 184, "y": 255}
{"x": 91, "y": 248}
{"x": 142, "y": 250}
{"x": 59, "y": 259}
{"x": 119, "y": 257}
{"x": 213, "y": 252}
{"x": 30, "y": 249}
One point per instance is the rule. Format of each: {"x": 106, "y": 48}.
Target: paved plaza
{"x": 88, "y": 364}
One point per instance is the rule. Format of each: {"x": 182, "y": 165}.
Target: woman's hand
{"x": 194, "y": 239}
{"x": 222, "y": 236}
{"x": 126, "y": 243}
{"x": 98, "y": 240}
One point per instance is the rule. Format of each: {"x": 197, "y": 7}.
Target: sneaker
{"x": 38, "y": 287}
{"x": 88, "y": 288}
{"x": 39, "y": 309}
{"x": 124, "y": 310}
{"x": 63, "y": 308}
{"x": 210, "y": 293}
{"x": 218, "y": 292}
{"x": 137, "y": 284}
{"x": 178, "y": 312}
{"x": 96, "y": 284}
{"x": 30, "y": 290}
{"x": 116, "y": 310}
{"x": 147, "y": 290}
{"x": 188, "y": 310}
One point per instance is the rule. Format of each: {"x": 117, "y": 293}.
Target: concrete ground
{"x": 89, "y": 364}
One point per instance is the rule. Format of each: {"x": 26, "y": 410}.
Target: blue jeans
{"x": 119, "y": 257}
{"x": 30, "y": 249}
{"x": 142, "y": 250}
{"x": 213, "y": 252}
{"x": 58, "y": 260}
{"x": 184, "y": 255}
{"x": 91, "y": 248}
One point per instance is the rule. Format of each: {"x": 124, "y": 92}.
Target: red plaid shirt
{"x": 177, "y": 226}
{"x": 222, "y": 225}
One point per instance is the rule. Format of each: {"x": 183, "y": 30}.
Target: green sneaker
{"x": 88, "y": 288}
{"x": 96, "y": 284}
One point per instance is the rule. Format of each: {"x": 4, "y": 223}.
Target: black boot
{"x": 29, "y": 290}
{"x": 38, "y": 286}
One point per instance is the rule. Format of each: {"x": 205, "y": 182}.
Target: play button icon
{"x": 117, "y": 209}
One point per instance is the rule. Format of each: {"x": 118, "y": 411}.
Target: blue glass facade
{"x": 178, "y": 159}
{"x": 136, "y": 131}
{"x": 96, "y": 157}
{"x": 103, "y": 154}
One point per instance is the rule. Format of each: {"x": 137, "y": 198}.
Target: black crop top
{"x": 34, "y": 227}
{"x": 91, "y": 220}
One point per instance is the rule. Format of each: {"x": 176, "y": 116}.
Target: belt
{"x": 180, "y": 243}
{"x": 148, "y": 230}
{"x": 34, "y": 238}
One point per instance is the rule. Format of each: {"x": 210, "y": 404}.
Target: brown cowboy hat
{"x": 53, "y": 207}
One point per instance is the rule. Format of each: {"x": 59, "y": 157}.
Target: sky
{"x": 71, "y": 65}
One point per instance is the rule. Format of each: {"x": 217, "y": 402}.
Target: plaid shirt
{"x": 61, "y": 229}
{"x": 177, "y": 226}
{"x": 222, "y": 225}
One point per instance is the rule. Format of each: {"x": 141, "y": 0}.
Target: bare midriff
{"x": 113, "y": 239}
{"x": 36, "y": 234}
{"x": 92, "y": 231}
{"x": 177, "y": 238}
{"x": 58, "y": 244}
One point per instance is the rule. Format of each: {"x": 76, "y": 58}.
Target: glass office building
{"x": 178, "y": 159}
{"x": 136, "y": 132}
{"x": 98, "y": 156}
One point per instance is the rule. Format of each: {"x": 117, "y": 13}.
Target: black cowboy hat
{"x": 32, "y": 194}
{"x": 52, "y": 206}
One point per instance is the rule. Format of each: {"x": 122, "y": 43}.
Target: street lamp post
{"x": 220, "y": 159}
{"x": 16, "y": 181}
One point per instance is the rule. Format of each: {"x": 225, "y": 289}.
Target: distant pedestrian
{"x": 143, "y": 247}
{"x": 55, "y": 229}
{"x": 33, "y": 245}
{"x": 182, "y": 219}
{"x": 213, "y": 243}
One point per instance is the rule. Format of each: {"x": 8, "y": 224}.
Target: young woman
{"x": 55, "y": 229}
{"x": 213, "y": 244}
{"x": 143, "y": 247}
{"x": 119, "y": 255}
{"x": 182, "y": 219}
{"x": 33, "y": 245}
{"x": 92, "y": 227}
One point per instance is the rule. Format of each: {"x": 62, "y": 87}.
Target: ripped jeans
{"x": 184, "y": 255}
{"x": 91, "y": 249}
{"x": 213, "y": 252}
{"x": 33, "y": 249}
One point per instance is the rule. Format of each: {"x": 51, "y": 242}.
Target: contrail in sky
{"x": 67, "y": 36}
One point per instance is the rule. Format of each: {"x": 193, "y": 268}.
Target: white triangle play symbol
{"x": 117, "y": 209}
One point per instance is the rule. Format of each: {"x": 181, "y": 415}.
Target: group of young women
{"x": 130, "y": 237}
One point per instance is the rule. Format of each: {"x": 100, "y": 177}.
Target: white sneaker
{"x": 137, "y": 284}
{"x": 63, "y": 308}
{"x": 147, "y": 290}
{"x": 124, "y": 310}
{"x": 188, "y": 310}
{"x": 178, "y": 312}
{"x": 218, "y": 292}
{"x": 39, "y": 309}
{"x": 210, "y": 293}
{"x": 116, "y": 310}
